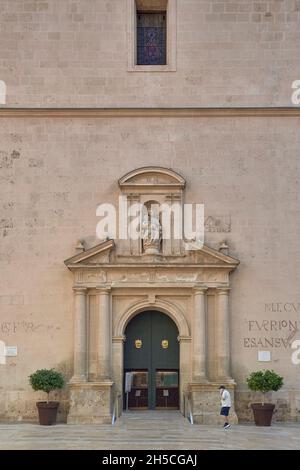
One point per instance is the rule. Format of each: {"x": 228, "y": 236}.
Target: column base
{"x": 206, "y": 403}
{"x": 90, "y": 402}
{"x": 76, "y": 379}
{"x": 225, "y": 381}
{"x": 200, "y": 380}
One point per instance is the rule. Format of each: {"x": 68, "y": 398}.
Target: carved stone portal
{"x": 111, "y": 286}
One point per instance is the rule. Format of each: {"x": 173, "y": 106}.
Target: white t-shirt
{"x": 225, "y": 398}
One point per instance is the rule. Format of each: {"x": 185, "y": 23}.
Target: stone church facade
{"x": 202, "y": 115}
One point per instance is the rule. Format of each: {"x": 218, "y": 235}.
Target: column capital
{"x": 133, "y": 197}
{"x": 80, "y": 290}
{"x": 223, "y": 290}
{"x": 119, "y": 339}
{"x": 103, "y": 290}
{"x": 198, "y": 289}
{"x": 184, "y": 339}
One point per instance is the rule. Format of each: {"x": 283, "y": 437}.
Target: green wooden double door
{"x": 151, "y": 355}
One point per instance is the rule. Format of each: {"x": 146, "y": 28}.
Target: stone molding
{"x": 106, "y": 290}
{"x": 223, "y": 290}
{"x": 211, "y": 386}
{"x": 213, "y": 112}
{"x": 163, "y": 306}
{"x": 119, "y": 339}
{"x": 80, "y": 290}
{"x": 184, "y": 339}
{"x": 81, "y": 385}
{"x": 131, "y": 178}
{"x": 199, "y": 290}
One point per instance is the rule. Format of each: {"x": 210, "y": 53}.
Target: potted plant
{"x": 264, "y": 381}
{"x": 47, "y": 380}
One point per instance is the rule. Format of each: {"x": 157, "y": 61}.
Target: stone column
{"x": 199, "y": 335}
{"x": 134, "y": 243}
{"x": 185, "y": 343}
{"x": 222, "y": 334}
{"x": 80, "y": 336}
{"x": 104, "y": 340}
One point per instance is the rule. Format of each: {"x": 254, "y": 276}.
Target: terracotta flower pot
{"x": 47, "y": 412}
{"x": 263, "y": 413}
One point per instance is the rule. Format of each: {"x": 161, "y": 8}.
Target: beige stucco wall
{"x": 54, "y": 173}
{"x": 242, "y": 52}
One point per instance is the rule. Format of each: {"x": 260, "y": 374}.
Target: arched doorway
{"x": 151, "y": 356}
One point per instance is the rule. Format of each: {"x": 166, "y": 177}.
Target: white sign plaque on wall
{"x": 11, "y": 351}
{"x": 264, "y": 356}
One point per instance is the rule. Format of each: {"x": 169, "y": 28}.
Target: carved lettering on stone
{"x": 269, "y": 333}
{"x": 220, "y": 224}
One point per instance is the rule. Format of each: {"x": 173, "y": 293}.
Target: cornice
{"x": 149, "y": 266}
{"x": 207, "y": 112}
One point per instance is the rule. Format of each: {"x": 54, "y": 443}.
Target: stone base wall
{"x": 287, "y": 405}
{"x": 18, "y": 406}
{"x": 82, "y": 406}
{"x": 205, "y": 401}
{"x": 90, "y": 403}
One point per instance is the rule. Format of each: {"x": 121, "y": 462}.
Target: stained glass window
{"x": 151, "y": 38}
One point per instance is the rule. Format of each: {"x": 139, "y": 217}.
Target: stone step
{"x": 172, "y": 421}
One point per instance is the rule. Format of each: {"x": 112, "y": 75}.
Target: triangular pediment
{"x": 208, "y": 256}
{"x": 96, "y": 255}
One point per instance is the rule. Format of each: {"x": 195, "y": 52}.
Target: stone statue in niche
{"x": 151, "y": 231}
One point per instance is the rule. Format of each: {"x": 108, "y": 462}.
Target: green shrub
{"x": 264, "y": 381}
{"x": 46, "y": 380}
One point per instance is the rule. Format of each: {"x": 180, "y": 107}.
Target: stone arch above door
{"x": 168, "y": 308}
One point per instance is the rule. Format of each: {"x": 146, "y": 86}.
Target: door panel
{"x": 138, "y": 397}
{"x": 167, "y": 389}
{"x": 151, "y": 345}
{"x": 163, "y": 328}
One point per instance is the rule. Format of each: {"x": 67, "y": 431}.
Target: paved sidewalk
{"x": 149, "y": 430}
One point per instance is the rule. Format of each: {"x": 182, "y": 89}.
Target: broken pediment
{"x": 208, "y": 256}
{"x": 102, "y": 254}
{"x": 98, "y": 254}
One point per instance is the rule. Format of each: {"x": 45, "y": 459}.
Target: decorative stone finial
{"x": 80, "y": 246}
{"x": 224, "y": 248}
